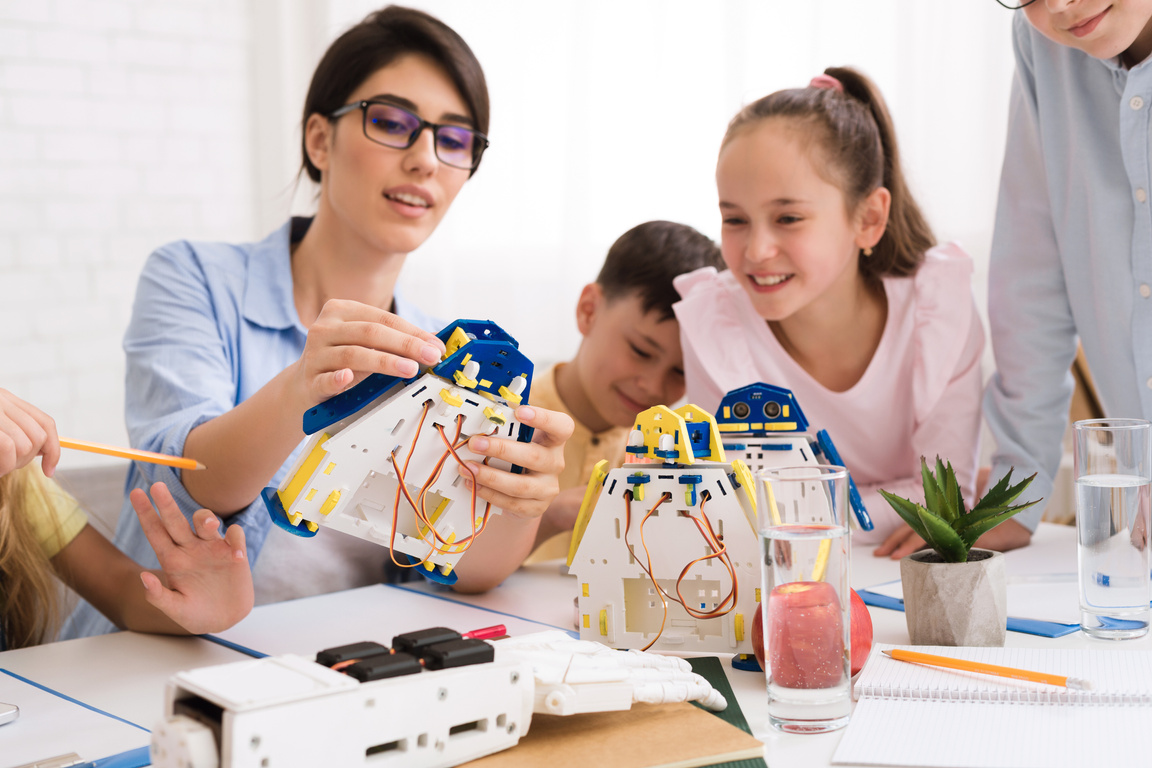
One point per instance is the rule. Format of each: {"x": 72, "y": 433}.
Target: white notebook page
{"x": 913, "y": 715}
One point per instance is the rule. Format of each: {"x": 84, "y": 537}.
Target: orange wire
{"x": 438, "y": 544}
{"x": 467, "y": 541}
{"x": 719, "y": 550}
{"x": 421, "y": 507}
{"x": 441, "y": 547}
{"x": 664, "y": 596}
{"x": 401, "y": 486}
{"x": 419, "y": 503}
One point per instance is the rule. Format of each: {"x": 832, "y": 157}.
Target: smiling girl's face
{"x": 390, "y": 199}
{"x": 786, "y": 234}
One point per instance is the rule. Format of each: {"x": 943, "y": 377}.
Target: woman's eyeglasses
{"x": 1015, "y": 6}
{"x": 398, "y": 128}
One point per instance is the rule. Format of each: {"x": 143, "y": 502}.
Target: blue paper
{"x": 133, "y": 758}
{"x": 1026, "y": 626}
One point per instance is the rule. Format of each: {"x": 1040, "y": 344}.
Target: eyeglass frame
{"x": 1016, "y": 7}
{"x": 413, "y": 137}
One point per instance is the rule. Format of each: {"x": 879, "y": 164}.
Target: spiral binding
{"x": 1029, "y": 696}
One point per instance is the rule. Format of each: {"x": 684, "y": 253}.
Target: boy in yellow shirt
{"x": 628, "y": 361}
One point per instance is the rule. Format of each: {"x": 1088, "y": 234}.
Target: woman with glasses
{"x": 230, "y": 344}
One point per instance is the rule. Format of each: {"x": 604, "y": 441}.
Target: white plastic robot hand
{"x": 574, "y": 676}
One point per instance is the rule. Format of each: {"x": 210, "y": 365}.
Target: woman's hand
{"x": 526, "y": 495}
{"x": 206, "y": 583}
{"x": 25, "y": 433}
{"x": 509, "y": 537}
{"x": 350, "y": 340}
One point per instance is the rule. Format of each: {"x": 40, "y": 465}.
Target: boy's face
{"x": 629, "y": 360}
{"x": 1101, "y": 28}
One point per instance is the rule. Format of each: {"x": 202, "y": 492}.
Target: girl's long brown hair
{"x": 858, "y": 152}
{"x": 28, "y": 591}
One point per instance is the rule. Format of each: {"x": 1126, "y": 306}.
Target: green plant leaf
{"x": 907, "y": 511}
{"x": 935, "y": 499}
{"x": 942, "y": 538}
{"x": 952, "y": 493}
{"x": 987, "y": 520}
{"x": 1001, "y": 495}
{"x": 977, "y": 517}
{"x": 934, "y": 530}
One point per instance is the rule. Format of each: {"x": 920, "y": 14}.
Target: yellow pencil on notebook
{"x": 131, "y": 453}
{"x": 964, "y": 665}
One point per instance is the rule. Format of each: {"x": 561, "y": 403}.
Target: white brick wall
{"x": 123, "y": 124}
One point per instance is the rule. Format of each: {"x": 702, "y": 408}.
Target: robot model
{"x": 385, "y": 461}
{"x": 665, "y": 547}
{"x": 434, "y": 698}
{"x": 763, "y": 425}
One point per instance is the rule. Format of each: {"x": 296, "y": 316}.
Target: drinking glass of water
{"x": 802, "y": 518}
{"x": 1113, "y": 480}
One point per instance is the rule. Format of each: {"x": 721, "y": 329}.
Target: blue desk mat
{"x": 1027, "y": 626}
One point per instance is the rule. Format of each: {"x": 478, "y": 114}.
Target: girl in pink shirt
{"x": 835, "y": 290}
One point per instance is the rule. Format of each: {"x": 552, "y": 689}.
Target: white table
{"x": 125, "y": 673}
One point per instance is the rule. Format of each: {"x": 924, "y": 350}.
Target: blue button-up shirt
{"x": 1071, "y": 252}
{"x": 212, "y": 323}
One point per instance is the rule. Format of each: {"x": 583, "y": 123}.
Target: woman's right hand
{"x": 25, "y": 433}
{"x": 350, "y": 340}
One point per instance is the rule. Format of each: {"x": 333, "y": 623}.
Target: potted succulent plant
{"x": 955, "y": 594}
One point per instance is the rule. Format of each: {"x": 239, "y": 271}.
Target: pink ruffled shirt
{"x": 920, "y": 395}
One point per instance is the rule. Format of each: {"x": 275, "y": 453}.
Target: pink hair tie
{"x": 826, "y": 81}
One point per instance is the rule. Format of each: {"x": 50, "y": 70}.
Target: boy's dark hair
{"x": 857, "y": 147}
{"x": 644, "y": 260}
{"x": 381, "y": 38}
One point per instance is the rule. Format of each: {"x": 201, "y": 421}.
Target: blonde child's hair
{"x": 853, "y": 132}
{"x": 28, "y": 592}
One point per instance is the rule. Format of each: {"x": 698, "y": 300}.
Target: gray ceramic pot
{"x": 955, "y": 603}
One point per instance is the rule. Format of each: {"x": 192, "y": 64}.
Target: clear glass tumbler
{"x": 1113, "y": 460}
{"x": 805, "y": 598}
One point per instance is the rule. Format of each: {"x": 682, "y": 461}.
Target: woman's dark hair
{"x": 381, "y": 38}
{"x": 858, "y": 153}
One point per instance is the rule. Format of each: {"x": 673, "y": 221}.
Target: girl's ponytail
{"x": 843, "y": 114}
{"x": 907, "y": 236}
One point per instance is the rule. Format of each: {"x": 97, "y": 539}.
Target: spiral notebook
{"x": 914, "y": 715}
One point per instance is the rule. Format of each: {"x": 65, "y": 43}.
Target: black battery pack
{"x": 457, "y": 653}
{"x": 384, "y": 665}
{"x": 330, "y": 657}
{"x": 414, "y": 642}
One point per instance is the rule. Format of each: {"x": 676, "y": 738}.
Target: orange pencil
{"x": 1072, "y": 683}
{"x": 131, "y": 453}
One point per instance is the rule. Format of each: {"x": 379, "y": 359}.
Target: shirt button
{"x": 1145, "y": 291}
{"x": 1141, "y": 195}
{"x": 1136, "y": 103}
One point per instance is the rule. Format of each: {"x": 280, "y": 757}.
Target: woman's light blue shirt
{"x": 212, "y": 323}
{"x": 1071, "y": 252}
